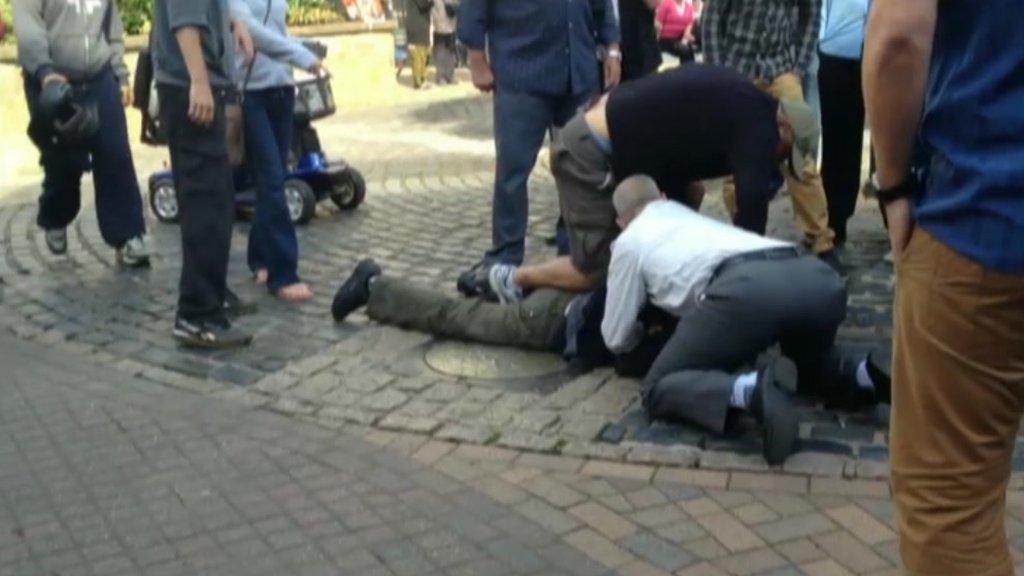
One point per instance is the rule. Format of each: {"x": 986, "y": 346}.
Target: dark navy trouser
{"x": 268, "y": 135}
{"x": 521, "y": 120}
{"x": 206, "y": 203}
{"x": 118, "y": 203}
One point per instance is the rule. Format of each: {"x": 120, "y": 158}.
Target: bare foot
{"x": 261, "y": 276}
{"x": 295, "y": 293}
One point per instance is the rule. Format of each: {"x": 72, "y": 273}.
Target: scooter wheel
{"x": 163, "y": 200}
{"x": 300, "y": 199}
{"x": 349, "y": 191}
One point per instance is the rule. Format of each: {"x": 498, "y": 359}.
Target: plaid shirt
{"x": 763, "y": 39}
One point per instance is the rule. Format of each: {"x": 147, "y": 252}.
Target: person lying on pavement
{"x": 547, "y": 320}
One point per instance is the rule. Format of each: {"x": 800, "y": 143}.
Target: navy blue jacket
{"x": 544, "y": 47}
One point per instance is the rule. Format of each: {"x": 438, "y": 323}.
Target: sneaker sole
{"x": 189, "y": 341}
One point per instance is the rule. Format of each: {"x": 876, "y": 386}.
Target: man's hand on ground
{"x": 901, "y": 226}
{"x": 127, "y": 97}
{"x": 243, "y": 41}
{"x": 200, "y": 103}
{"x": 480, "y": 68}
{"x": 54, "y": 77}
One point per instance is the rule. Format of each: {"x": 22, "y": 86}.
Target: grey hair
{"x": 634, "y": 193}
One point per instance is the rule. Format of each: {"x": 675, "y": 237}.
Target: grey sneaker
{"x": 502, "y": 280}
{"x": 57, "y": 240}
{"x": 134, "y": 253}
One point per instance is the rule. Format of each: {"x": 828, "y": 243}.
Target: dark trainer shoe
{"x": 211, "y": 335}
{"x": 354, "y": 293}
{"x": 235, "y": 307}
{"x": 774, "y": 410}
{"x": 56, "y": 241}
{"x": 474, "y": 281}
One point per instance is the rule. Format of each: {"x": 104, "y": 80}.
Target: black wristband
{"x": 904, "y": 189}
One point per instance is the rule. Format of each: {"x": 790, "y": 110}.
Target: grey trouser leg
{"x": 527, "y": 324}
{"x": 583, "y": 176}
{"x": 746, "y": 308}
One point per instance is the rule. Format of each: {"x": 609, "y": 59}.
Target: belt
{"x": 780, "y": 253}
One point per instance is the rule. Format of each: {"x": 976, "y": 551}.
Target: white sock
{"x": 742, "y": 390}
{"x": 863, "y": 378}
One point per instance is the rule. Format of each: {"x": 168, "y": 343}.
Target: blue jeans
{"x": 520, "y": 121}
{"x": 268, "y": 135}
{"x": 118, "y": 203}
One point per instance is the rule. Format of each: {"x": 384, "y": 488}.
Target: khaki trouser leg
{"x": 419, "y": 64}
{"x": 958, "y": 397}
{"x": 809, "y": 204}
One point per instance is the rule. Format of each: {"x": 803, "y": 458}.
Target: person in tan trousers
{"x": 762, "y": 40}
{"x": 956, "y": 225}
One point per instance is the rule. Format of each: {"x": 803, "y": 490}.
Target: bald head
{"x": 632, "y": 195}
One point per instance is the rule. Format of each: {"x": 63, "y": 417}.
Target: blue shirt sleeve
{"x": 184, "y": 13}
{"x": 609, "y": 32}
{"x": 472, "y": 26}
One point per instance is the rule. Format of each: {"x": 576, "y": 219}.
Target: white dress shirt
{"x": 668, "y": 254}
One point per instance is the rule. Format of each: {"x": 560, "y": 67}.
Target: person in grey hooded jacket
{"x": 81, "y": 43}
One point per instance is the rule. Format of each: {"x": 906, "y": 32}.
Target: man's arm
{"x": 626, "y": 296}
{"x": 808, "y": 26}
{"x": 897, "y": 50}
{"x": 33, "y": 46}
{"x": 474, "y": 19}
{"x": 608, "y": 35}
{"x": 711, "y": 30}
{"x": 201, "y": 106}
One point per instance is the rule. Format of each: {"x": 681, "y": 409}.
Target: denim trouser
{"x": 268, "y": 135}
{"x": 118, "y": 204}
{"x": 206, "y": 203}
{"x": 520, "y": 121}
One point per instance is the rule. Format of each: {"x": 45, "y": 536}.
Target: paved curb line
{"x": 636, "y": 461}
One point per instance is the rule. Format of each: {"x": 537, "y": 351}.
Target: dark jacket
{"x": 417, "y": 21}
{"x": 640, "y": 53}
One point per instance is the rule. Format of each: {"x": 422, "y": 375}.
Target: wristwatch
{"x": 904, "y": 189}
{"x": 615, "y": 54}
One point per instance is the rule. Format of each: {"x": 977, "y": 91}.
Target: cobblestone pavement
{"x": 429, "y": 168}
{"x": 105, "y": 474}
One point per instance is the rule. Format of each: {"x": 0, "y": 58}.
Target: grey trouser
{"x": 747, "y": 307}
{"x": 531, "y": 323}
{"x": 583, "y": 176}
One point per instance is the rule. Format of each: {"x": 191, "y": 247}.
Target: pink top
{"x": 675, "y": 21}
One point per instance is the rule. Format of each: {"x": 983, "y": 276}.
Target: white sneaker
{"x": 134, "y": 253}
{"x": 56, "y": 240}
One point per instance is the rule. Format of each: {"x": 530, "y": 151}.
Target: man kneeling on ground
{"x": 735, "y": 294}
{"x": 547, "y": 320}
{"x": 678, "y": 127}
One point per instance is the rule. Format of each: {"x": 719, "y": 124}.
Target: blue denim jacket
{"x": 540, "y": 46}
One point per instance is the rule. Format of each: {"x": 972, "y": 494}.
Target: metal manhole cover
{"x": 482, "y": 362}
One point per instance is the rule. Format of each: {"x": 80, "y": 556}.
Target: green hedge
{"x": 137, "y": 14}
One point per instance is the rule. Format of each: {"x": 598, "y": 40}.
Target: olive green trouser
{"x": 531, "y": 323}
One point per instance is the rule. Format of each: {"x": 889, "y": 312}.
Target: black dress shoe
{"x": 354, "y": 293}
{"x": 849, "y": 394}
{"x": 771, "y": 405}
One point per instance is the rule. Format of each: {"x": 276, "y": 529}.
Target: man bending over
{"x": 679, "y": 127}
{"x": 735, "y": 294}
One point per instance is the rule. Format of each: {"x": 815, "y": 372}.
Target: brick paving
{"x": 107, "y": 474}
{"x": 429, "y": 168}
